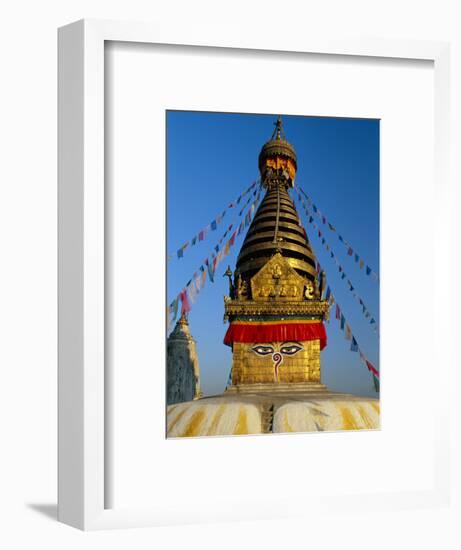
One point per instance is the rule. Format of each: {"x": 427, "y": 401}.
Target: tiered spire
{"x": 276, "y": 226}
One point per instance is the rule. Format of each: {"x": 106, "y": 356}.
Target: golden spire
{"x": 276, "y": 226}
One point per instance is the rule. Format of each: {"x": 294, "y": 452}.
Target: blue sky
{"x": 212, "y": 158}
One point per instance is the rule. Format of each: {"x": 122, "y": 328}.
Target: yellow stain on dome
{"x": 176, "y": 419}
{"x": 365, "y": 417}
{"x": 193, "y": 427}
{"x": 286, "y": 425}
{"x": 376, "y": 407}
{"x": 349, "y": 422}
{"x": 217, "y": 417}
{"x": 242, "y": 424}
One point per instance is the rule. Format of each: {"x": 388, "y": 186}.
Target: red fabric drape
{"x": 280, "y": 332}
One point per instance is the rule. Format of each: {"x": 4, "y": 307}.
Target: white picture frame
{"x": 82, "y": 464}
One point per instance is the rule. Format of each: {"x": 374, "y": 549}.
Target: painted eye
{"x": 291, "y": 349}
{"x": 263, "y": 350}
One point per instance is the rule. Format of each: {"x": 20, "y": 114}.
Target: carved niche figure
{"x": 242, "y": 288}
{"x": 276, "y": 271}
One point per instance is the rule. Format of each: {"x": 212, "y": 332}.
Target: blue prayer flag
{"x": 210, "y": 271}
{"x": 354, "y": 346}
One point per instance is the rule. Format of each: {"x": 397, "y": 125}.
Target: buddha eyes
{"x": 285, "y": 349}
{"x": 290, "y": 350}
{"x": 263, "y": 350}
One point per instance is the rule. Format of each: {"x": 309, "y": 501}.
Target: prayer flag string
{"x": 213, "y": 225}
{"x": 350, "y": 250}
{"x": 346, "y": 328}
{"x": 365, "y": 311}
{"x": 349, "y": 335}
{"x": 189, "y": 293}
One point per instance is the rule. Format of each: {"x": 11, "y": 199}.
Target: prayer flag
{"x": 356, "y": 258}
{"x": 350, "y": 251}
{"x": 213, "y": 225}
{"x": 343, "y": 321}
{"x": 371, "y": 368}
{"x": 354, "y": 346}
{"x": 180, "y": 253}
{"x": 173, "y": 311}
{"x": 232, "y": 239}
{"x": 338, "y": 312}
{"x": 340, "y": 238}
{"x": 194, "y": 240}
{"x": 348, "y": 332}
{"x": 210, "y": 271}
{"x": 376, "y": 383}
{"x": 362, "y": 263}
{"x": 368, "y": 270}
{"x": 327, "y": 293}
{"x": 185, "y": 306}
{"x": 201, "y": 235}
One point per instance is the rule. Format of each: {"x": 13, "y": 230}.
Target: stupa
{"x": 183, "y": 371}
{"x": 276, "y": 312}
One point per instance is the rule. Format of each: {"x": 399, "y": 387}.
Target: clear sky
{"x": 212, "y": 158}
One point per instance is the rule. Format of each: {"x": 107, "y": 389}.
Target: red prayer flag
{"x": 338, "y": 312}
{"x": 371, "y": 368}
{"x": 185, "y": 307}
